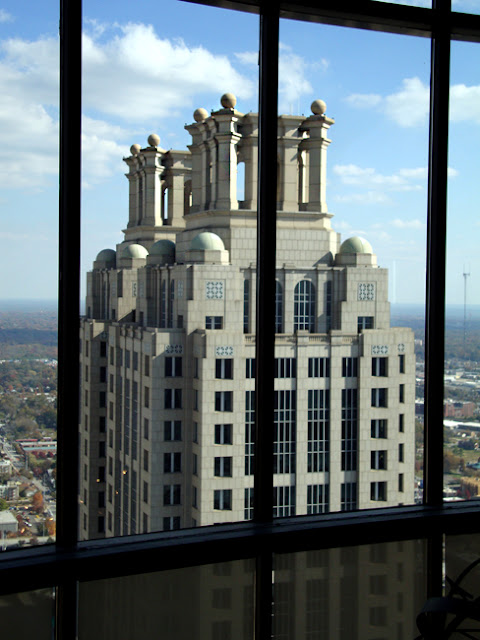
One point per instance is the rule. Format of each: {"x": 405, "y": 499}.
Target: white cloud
{"x": 370, "y": 197}
{"x": 5, "y": 16}
{"x": 408, "y": 224}
{"x": 364, "y": 101}
{"x": 248, "y": 57}
{"x": 369, "y": 178}
{"x": 292, "y": 79}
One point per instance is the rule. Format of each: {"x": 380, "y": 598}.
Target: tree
{"x": 37, "y": 502}
{"x": 3, "y": 504}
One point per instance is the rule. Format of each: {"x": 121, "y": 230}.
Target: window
{"x": 246, "y": 306}
{"x": 401, "y": 363}
{"x": 146, "y": 397}
{"x": 223, "y": 467}
{"x": 400, "y": 482}
{"x": 401, "y": 422}
{"x": 348, "y": 496}
{"x": 378, "y": 491}
{"x": 401, "y": 452}
{"x": 349, "y": 429}
{"x": 103, "y": 349}
{"x": 146, "y": 366}
{"x": 284, "y": 446}
{"x": 195, "y": 432}
{"x": 380, "y": 367}
{"x": 223, "y": 400}
{"x": 378, "y": 459}
{"x": 135, "y": 361}
{"x": 250, "y": 368}
{"x": 285, "y": 368}
{"x": 379, "y": 397}
{"x": 127, "y": 359}
{"x": 319, "y": 367}
{"x": 145, "y": 492}
{"x": 317, "y": 498}
{"x": 223, "y": 433}
{"x": 195, "y": 464}
{"x": 213, "y": 322}
{"x": 364, "y": 322}
{"x": 318, "y": 430}
{"x": 170, "y": 523}
{"x": 173, "y": 367}
{"x": 171, "y": 494}
{"x": 278, "y": 307}
{"x": 172, "y": 430}
{"x": 222, "y": 499}
{"x": 283, "y": 501}
{"x": 349, "y": 367}
{"x": 304, "y": 307}
{"x": 146, "y": 428}
{"x": 172, "y": 462}
{"x": 145, "y": 460}
{"x": 401, "y": 393}
{"x": 173, "y": 398}
{"x": 224, "y": 368}
{"x": 378, "y": 428}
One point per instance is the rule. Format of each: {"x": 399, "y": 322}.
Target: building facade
{"x": 168, "y": 345}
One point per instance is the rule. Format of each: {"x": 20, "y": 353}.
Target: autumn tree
{"x": 37, "y": 502}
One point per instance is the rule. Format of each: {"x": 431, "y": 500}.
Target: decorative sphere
{"x": 228, "y": 101}
{"x": 200, "y": 114}
{"x": 153, "y": 140}
{"x": 318, "y": 107}
{"x": 135, "y": 149}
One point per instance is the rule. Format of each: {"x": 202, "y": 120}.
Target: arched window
{"x": 304, "y": 306}
{"x": 278, "y": 307}
{"x": 246, "y": 306}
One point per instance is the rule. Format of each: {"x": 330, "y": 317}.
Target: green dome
{"x": 356, "y": 245}
{"x": 134, "y": 251}
{"x": 163, "y": 248}
{"x": 207, "y": 241}
{"x": 107, "y": 255}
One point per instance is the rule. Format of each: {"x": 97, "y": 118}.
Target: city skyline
{"x": 142, "y": 75}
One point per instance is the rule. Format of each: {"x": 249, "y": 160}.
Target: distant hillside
{"x": 45, "y": 337}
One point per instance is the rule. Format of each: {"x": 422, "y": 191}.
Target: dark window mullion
{"x": 436, "y": 243}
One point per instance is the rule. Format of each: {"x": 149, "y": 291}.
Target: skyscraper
{"x": 168, "y": 343}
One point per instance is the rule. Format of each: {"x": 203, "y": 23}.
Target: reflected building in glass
{"x": 168, "y": 344}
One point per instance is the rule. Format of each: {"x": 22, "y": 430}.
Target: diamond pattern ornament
{"x": 380, "y": 349}
{"x": 366, "y": 291}
{"x": 214, "y": 290}
{"x": 401, "y": 348}
{"x": 224, "y": 351}
{"x": 180, "y": 289}
{"x": 174, "y": 348}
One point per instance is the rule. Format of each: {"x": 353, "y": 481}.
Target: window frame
{"x": 69, "y": 561}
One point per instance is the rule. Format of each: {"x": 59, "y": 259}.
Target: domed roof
{"x": 356, "y": 245}
{"x": 163, "y": 248}
{"x": 106, "y": 255}
{"x": 134, "y": 251}
{"x": 207, "y": 241}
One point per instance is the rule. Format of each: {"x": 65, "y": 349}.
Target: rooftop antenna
{"x": 465, "y": 276}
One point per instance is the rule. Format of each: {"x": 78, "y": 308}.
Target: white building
{"x": 167, "y": 418}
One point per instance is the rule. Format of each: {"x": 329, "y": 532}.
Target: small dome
{"x": 356, "y": 245}
{"x": 207, "y": 241}
{"x": 228, "y": 101}
{"x": 200, "y": 114}
{"x": 135, "y": 149}
{"x": 163, "y": 248}
{"x": 134, "y": 251}
{"x": 153, "y": 140}
{"x": 106, "y": 255}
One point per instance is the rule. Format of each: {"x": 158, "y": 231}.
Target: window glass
{"x": 166, "y": 271}
{"x": 28, "y": 614}
{"x": 462, "y": 315}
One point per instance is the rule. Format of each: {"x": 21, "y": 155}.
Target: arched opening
{"x": 278, "y": 307}
{"x": 240, "y": 188}
{"x": 187, "y": 197}
{"x": 304, "y": 307}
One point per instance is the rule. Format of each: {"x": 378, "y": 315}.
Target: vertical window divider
{"x": 69, "y": 305}
{"x": 436, "y": 259}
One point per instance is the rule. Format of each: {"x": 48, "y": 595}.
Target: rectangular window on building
{"x": 285, "y": 368}
{"x": 283, "y": 501}
{"x": 102, "y": 423}
{"x": 349, "y": 429}
{"x": 378, "y": 459}
{"x": 173, "y": 398}
{"x": 318, "y": 430}
{"x": 364, "y": 322}
{"x": 146, "y": 428}
{"x": 250, "y": 368}
{"x": 349, "y": 367}
{"x": 145, "y": 460}
{"x": 248, "y": 503}
{"x": 110, "y": 466}
{"x": 110, "y": 438}
{"x": 222, "y": 499}
{"x": 86, "y": 373}
{"x": 103, "y": 349}
{"x": 223, "y": 467}
{"x": 173, "y": 367}
{"x": 111, "y": 383}
{"x": 195, "y": 497}
{"x": 172, "y": 462}
{"x": 103, "y": 374}
{"x": 195, "y": 432}
{"x": 172, "y": 430}
{"x": 101, "y": 474}
{"x": 179, "y": 322}
{"x": 110, "y": 494}
{"x": 348, "y": 496}
{"x": 318, "y": 367}
{"x": 213, "y": 322}
{"x": 401, "y": 452}
{"x": 401, "y": 423}
{"x": 101, "y": 524}
{"x": 101, "y": 499}
{"x": 401, "y": 363}
{"x": 127, "y": 359}
{"x": 171, "y": 494}
{"x": 101, "y": 449}
{"x": 195, "y": 464}
{"x": 400, "y": 482}
{"x": 223, "y": 400}
{"x": 249, "y": 432}
{"x": 102, "y": 399}
{"x": 146, "y": 365}
{"x": 146, "y": 397}
{"x": 112, "y": 355}
{"x": 317, "y": 498}
{"x": 171, "y": 523}
{"x": 224, "y": 368}
{"x": 401, "y": 393}
{"x": 195, "y": 367}
{"x": 195, "y": 400}
{"x": 284, "y": 445}
{"x": 380, "y": 367}
{"x": 378, "y": 491}
{"x": 223, "y": 433}
{"x": 145, "y": 492}
{"x": 378, "y": 428}
{"x": 135, "y": 360}
{"x": 380, "y": 397}
{"x": 110, "y": 411}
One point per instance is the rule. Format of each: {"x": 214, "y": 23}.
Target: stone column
{"x": 316, "y": 145}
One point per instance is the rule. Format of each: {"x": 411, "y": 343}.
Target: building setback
{"x": 168, "y": 344}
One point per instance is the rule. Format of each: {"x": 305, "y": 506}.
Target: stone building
{"x": 168, "y": 343}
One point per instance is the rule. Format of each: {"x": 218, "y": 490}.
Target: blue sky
{"x": 148, "y": 65}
